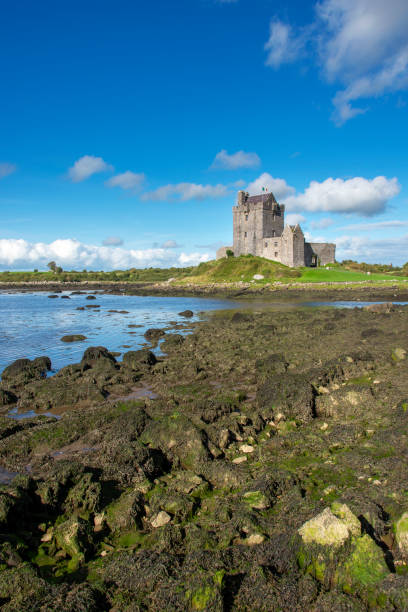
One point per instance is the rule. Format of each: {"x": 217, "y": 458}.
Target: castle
{"x": 259, "y": 229}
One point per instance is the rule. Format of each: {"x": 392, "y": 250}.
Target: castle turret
{"x": 256, "y": 218}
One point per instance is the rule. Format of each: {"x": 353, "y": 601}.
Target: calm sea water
{"x": 32, "y": 324}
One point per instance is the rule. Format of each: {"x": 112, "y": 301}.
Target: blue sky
{"x": 127, "y": 127}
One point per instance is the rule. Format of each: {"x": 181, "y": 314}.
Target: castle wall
{"x": 222, "y": 252}
{"x": 293, "y": 247}
{"x": 248, "y": 226}
{"x": 325, "y": 251}
{"x": 272, "y": 248}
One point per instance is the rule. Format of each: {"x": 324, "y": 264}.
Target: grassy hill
{"x": 235, "y": 269}
{"x": 243, "y": 268}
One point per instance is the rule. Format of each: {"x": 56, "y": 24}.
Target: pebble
{"x": 255, "y": 538}
{"x": 246, "y": 448}
{"x": 240, "y": 459}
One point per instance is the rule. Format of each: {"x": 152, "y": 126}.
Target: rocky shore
{"x": 259, "y": 464}
{"x": 277, "y": 291}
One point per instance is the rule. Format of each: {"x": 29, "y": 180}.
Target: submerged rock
{"x": 73, "y": 338}
{"x": 186, "y": 313}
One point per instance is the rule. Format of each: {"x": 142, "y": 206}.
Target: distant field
{"x": 227, "y": 270}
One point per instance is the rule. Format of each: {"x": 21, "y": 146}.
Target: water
{"x": 32, "y": 324}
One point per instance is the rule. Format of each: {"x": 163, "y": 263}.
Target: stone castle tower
{"x": 259, "y": 229}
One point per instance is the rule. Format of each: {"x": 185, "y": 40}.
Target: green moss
{"x": 219, "y": 577}
{"x": 134, "y": 539}
{"x": 365, "y": 568}
{"x": 201, "y": 598}
{"x": 364, "y": 381}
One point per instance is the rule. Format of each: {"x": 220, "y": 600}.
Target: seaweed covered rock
{"x": 179, "y": 438}
{"x": 73, "y": 537}
{"x": 126, "y": 512}
{"x": 135, "y": 360}
{"x": 153, "y": 334}
{"x": 172, "y": 342}
{"x": 94, "y": 354}
{"x": 23, "y": 371}
{"x": 290, "y": 393}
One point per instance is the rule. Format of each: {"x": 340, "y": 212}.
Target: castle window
{"x": 273, "y": 233}
{"x": 276, "y": 244}
{"x": 276, "y": 254}
{"x": 245, "y": 235}
{"x": 246, "y": 217}
{"x": 266, "y": 244}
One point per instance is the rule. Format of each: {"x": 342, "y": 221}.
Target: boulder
{"x": 325, "y": 529}
{"x": 153, "y": 334}
{"x": 23, "y": 371}
{"x": 73, "y": 338}
{"x": 93, "y": 354}
{"x": 292, "y": 394}
{"x": 137, "y": 359}
{"x": 187, "y": 314}
{"x": 161, "y": 519}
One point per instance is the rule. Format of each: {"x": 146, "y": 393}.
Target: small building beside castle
{"x": 259, "y": 229}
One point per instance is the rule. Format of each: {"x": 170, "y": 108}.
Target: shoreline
{"x": 358, "y": 290}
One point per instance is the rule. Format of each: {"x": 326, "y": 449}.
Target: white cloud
{"x": 283, "y": 46}
{"x": 186, "y": 191}
{"x": 322, "y": 223}
{"x": 86, "y": 166}
{"x": 126, "y": 180}
{"x": 294, "y": 218}
{"x": 378, "y": 225}
{"x": 278, "y": 186}
{"x": 72, "y": 254}
{"x": 112, "y": 241}
{"x": 240, "y": 159}
{"x": 357, "y": 195}
{"x": 6, "y": 169}
{"x": 362, "y": 44}
{"x": 359, "y": 248}
{"x": 170, "y": 244}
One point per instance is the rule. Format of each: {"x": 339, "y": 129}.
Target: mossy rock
{"x": 364, "y": 569}
{"x": 74, "y": 538}
{"x": 126, "y": 512}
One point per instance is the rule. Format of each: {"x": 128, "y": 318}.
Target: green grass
{"x": 226, "y": 270}
{"x": 339, "y": 274}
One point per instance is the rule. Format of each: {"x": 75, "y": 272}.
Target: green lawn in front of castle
{"x": 337, "y": 274}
